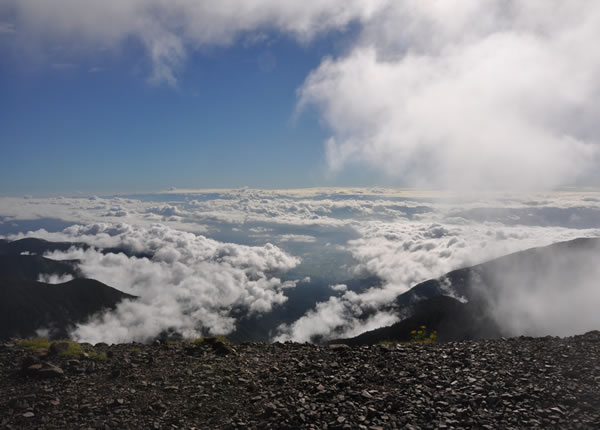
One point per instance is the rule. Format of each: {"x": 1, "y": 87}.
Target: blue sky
{"x": 144, "y": 95}
{"x": 229, "y": 122}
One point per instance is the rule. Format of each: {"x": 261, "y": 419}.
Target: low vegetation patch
{"x": 212, "y": 339}
{"x": 97, "y": 356}
{"x": 35, "y": 343}
{"x": 74, "y": 349}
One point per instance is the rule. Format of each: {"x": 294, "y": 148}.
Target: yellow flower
{"x": 413, "y": 331}
{"x": 423, "y": 326}
{"x": 420, "y": 332}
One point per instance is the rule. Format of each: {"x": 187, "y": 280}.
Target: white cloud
{"x": 54, "y": 279}
{"x": 332, "y": 319}
{"x": 469, "y": 95}
{"x": 403, "y": 237}
{"x": 191, "y": 284}
{"x": 339, "y": 287}
{"x": 169, "y": 29}
{"x": 305, "y": 238}
{"x": 405, "y": 252}
{"x": 476, "y": 94}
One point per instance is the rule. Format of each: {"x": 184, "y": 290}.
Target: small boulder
{"x": 58, "y": 348}
{"x": 49, "y": 371}
{"x": 222, "y": 348}
{"x": 33, "y": 369}
{"x": 338, "y": 347}
{"x": 29, "y": 361}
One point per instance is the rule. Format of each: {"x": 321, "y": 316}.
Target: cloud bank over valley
{"x": 204, "y": 262}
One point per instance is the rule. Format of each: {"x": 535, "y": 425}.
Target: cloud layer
{"x": 191, "y": 285}
{"x": 401, "y": 237}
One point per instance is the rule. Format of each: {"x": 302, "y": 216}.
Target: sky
{"x": 96, "y": 121}
{"x": 137, "y": 96}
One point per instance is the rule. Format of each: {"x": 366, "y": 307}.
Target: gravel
{"x": 508, "y": 383}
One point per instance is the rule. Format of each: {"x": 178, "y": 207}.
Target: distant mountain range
{"x": 457, "y": 304}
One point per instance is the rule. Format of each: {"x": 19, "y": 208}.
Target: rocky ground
{"x": 508, "y": 383}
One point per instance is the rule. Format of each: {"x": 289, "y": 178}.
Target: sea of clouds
{"x": 190, "y": 281}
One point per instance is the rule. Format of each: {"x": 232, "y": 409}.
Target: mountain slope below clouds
{"x": 571, "y": 259}
{"x": 511, "y": 295}
{"x": 32, "y": 267}
{"x": 27, "y": 306}
{"x": 454, "y": 321}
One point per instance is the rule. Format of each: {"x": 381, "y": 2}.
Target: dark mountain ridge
{"x": 31, "y": 245}
{"x": 474, "y": 281}
{"x": 35, "y": 246}
{"x": 27, "y": 306}
{"x": 456, "y": 304}
{"x": 32, "y": 267}
{"x": 434, "y": 303}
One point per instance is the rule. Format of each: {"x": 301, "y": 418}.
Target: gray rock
{"x": 58, "y": 348}
{"x": 50, "y": 371}
{"x": 339, "y": 347}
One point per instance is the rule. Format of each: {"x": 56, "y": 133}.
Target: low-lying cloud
{"x": 194, "y": 283}
{"x": 558, "y": 296}
{"x": 190, "y": 286}
{"x": 403, "y": 254}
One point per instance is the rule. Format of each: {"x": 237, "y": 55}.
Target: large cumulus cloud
{"x": 468, "y": 94}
